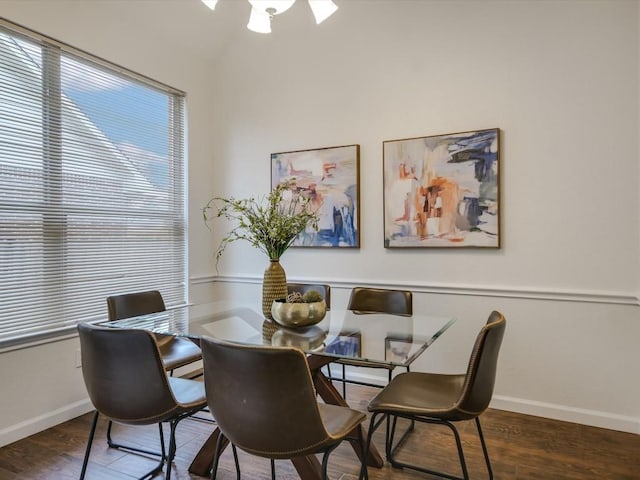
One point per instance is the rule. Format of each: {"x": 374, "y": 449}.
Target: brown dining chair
{"x": 127, "y": 383}
{"x": 322, "y": 289}
{"x": 264, "y": 401}
{"x": 443, "y": 399}
{"x": 374, "y": 300}
{"x": 174, "y": 351}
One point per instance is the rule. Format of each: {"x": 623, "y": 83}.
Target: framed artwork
{"x": 442, "y": 191}
{"x": 397, "y": 349}
{"x": 330, "y": 178}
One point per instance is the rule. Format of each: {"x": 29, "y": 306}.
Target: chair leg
{"x": 325, "y": 460}
{"x": 393, "y": 449}
{"x": 216, "y": 457}
{"x": 172, "y": 447}
{"x": 113, "y": 444}
{"x": 92, "y": 432}
{"x": 373, "y": 425}
{"x": 235, "y": 460}
{"x": 273, "y": 469}
{"x": 463, "y": 464}
{"x": 391, "y": 434}
{"x": 329, "y": 376}
{"x": 344, "y": 382}
{"x": 151, "y": 473}
{"x": 172, "y": 441}
{"x": 484, "y": 448}
{"x": 364, "y": 472}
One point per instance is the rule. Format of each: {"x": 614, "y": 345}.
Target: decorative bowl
{"x": 298, "y": 314}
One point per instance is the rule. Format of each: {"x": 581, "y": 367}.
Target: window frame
{"x": 177, "y": 194}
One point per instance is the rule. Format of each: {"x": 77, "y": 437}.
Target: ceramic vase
{"x": 274, "y": 285}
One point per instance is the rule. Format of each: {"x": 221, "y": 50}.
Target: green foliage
{"x": 270, "y": 224}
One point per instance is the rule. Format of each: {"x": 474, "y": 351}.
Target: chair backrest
{"x": 124, "y": 375}
{"x": 134, "y": 304}
{"x": 324, "y": 290}
{"x": 379, "y": 300}
{"x": 262, "y": 398}
{"x": 481, "y": 372}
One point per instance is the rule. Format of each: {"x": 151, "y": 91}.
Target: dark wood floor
{"x": 521, "y": 447}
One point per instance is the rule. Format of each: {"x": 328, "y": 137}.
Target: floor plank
{"x": 521, "y": 448}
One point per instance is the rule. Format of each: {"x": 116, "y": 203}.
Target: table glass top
{"x": 385, "y": 338}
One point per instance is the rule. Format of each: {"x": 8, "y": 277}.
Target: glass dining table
{"x": 392, "y": 340}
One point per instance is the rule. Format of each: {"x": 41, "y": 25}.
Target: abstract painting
{"x": 442, "y": 191}
{"x": 329, "y": 177}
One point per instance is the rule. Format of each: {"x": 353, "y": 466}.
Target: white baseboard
{"x": 37, "y": 424}
{"x": 583, "y": 416}
{"x": 593, "y": 418}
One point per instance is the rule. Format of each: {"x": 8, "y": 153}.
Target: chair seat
{"x": 187, "y": 393}
{"x": 416, "y": 393}
{"x": 339, "y": 421}
{"x": 176, "y": 351}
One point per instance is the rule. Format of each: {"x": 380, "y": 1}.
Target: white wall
{"x": 559, "y": 78}
{"x": 41, "y": 386}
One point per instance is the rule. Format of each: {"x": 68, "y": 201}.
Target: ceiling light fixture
{"x": 262, "y": 11}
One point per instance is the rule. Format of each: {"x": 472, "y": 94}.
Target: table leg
{"x": 203, "y": 462}
{"x": 330, "y": 395}
{"x": 308, "y": 467}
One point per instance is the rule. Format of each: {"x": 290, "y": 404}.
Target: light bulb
{"x": 259, "y": 21}
{"x": 210, "y": 3}
{"x": 322, "y": 9}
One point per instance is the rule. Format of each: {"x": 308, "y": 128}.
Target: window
{"x": 92, "y": 195}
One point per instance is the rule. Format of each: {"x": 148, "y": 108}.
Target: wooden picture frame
{"x": 330, "y": 177}
{"x": 442, "y": 190}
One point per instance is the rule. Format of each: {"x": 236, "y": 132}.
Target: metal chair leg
{"x": 149, "y": 474}
{"x": 484, "y": 448}
{"x": 325, "y": 460}
{"x": 172, "y": 447}
{"x": 344, "y": 382}
{"x": 392, "y": 432}
{"x": 364, "y": 472}
{"x": 122, "y": 446}
{"x": 172, "y": 441}
{"x": 235, "y": 459}
{"x": 216, "y": 457}
{"x": 92, "y": 432}
{"x": 393, "y": 449}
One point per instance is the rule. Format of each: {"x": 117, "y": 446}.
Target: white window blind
{"x": 92, "y": 197}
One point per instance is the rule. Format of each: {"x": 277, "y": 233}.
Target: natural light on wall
{"x": 262, "y": 11}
